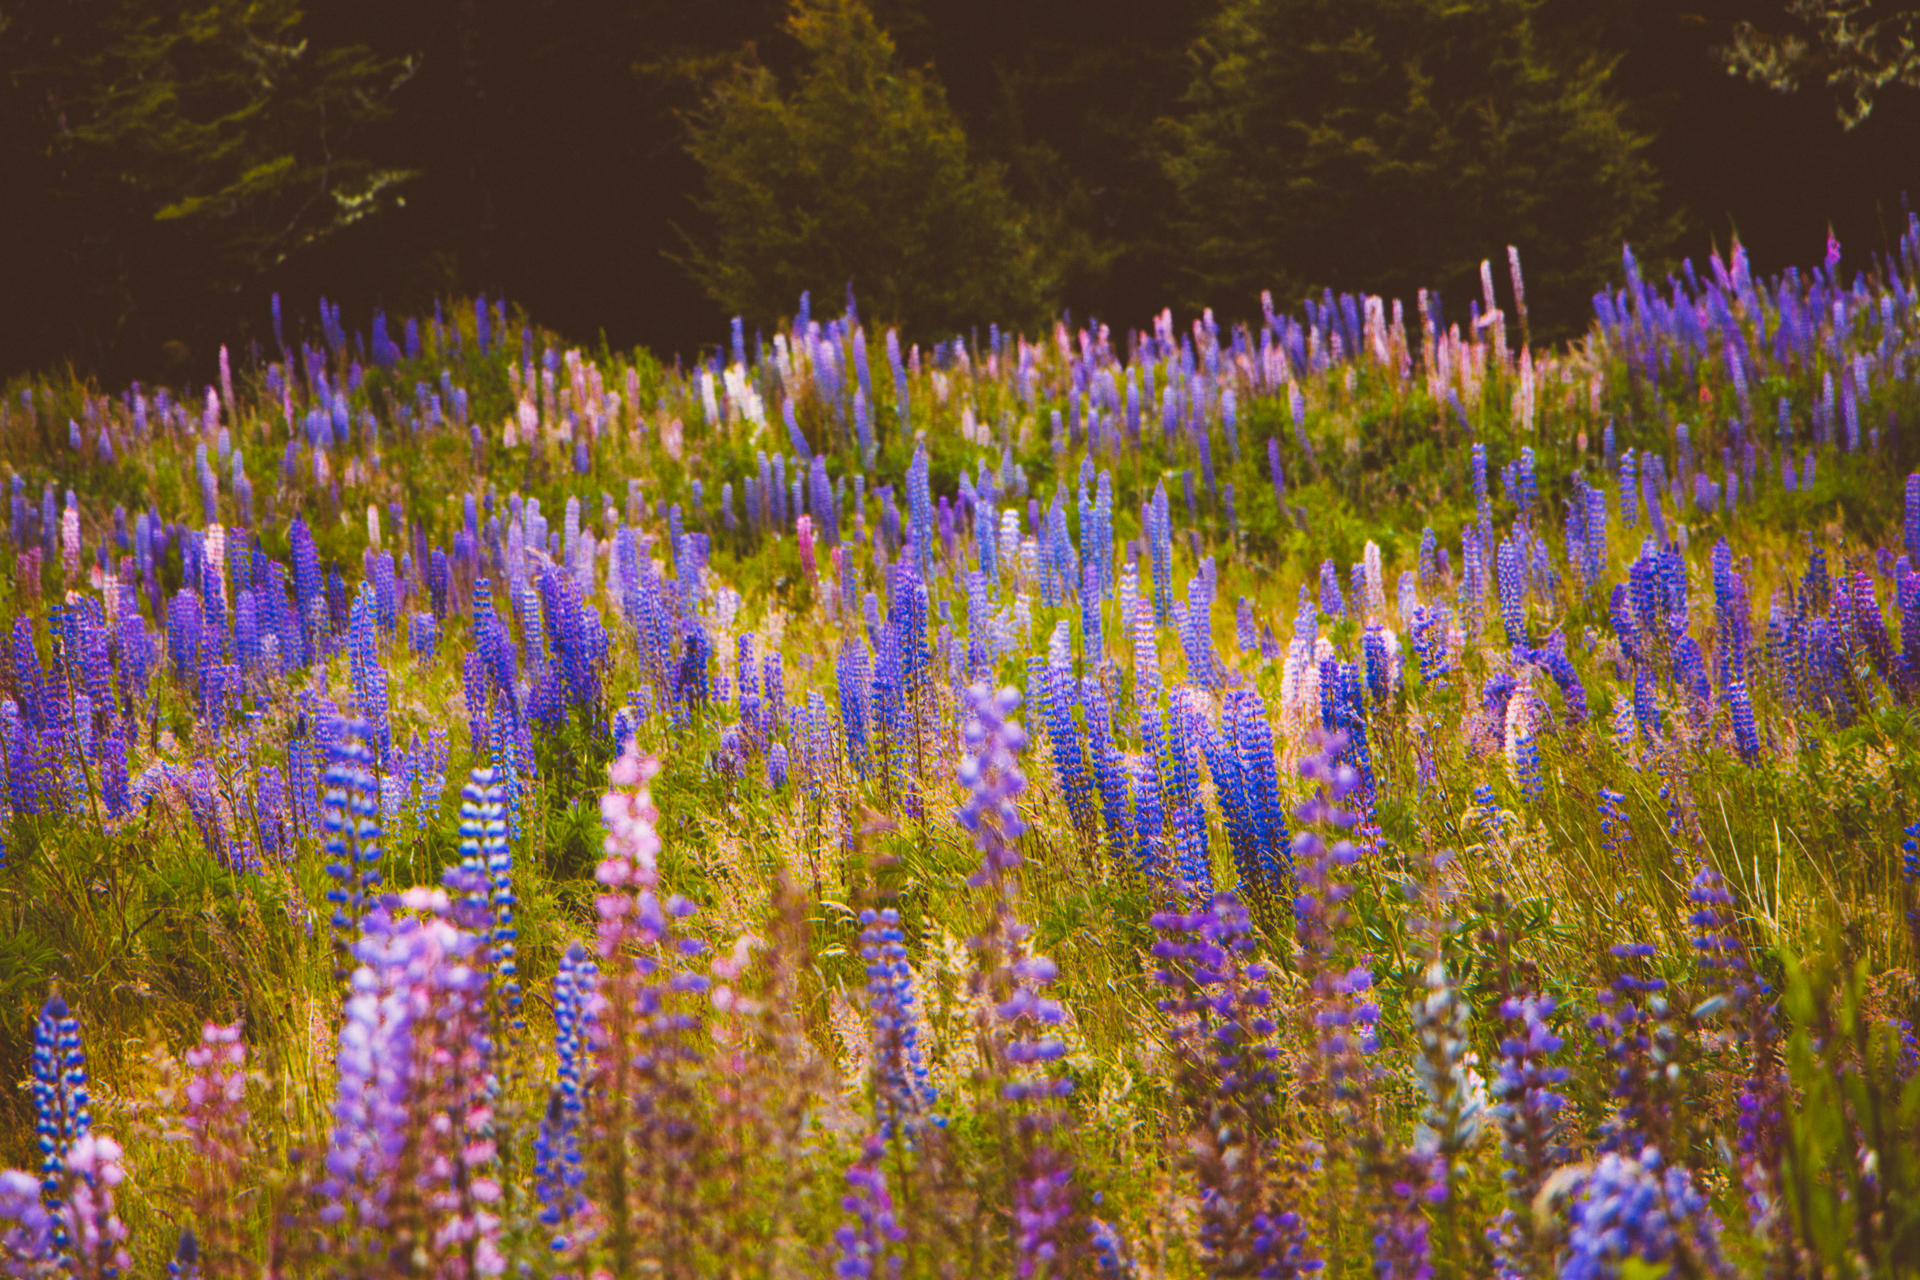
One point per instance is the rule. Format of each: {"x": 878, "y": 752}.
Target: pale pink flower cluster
{"x": 728, "y": 968}
{"x": 803, "y": 531}
{"x": 219, "y": 1079}
{"x": 630, "y": 870}
{"x": 99, "y": 1237}
{"x": 70, "y": 539}
{"x": 414, "y": 1072}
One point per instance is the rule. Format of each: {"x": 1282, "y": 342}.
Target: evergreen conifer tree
{"x": 1395, "y": 144}
{"x": 858, "y": 174}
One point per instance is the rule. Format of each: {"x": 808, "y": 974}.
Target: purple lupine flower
{"x": 1344, "y": 710}
{"x": 351, "y": 817}
{"x": 1319, "y": 911}
{"x": 304, "y": 783}
{"x": 440, "y": 582}
{"x": 1406, "y": 1182}
{"x": 1482, "y": 503}
{"x": 1746, "y": 735}
{"x": 902, "y": 404}
{"x": 1525, "y": 751}
{"x": 1634, "y": 1031}
{"x": 414, "y": 1038}
{"x": 1332, "y": 602}
{"x": 1204, "y": 668}
{"x": 1614, "y": 830}
{"x": 641, "y": 1045}
{"x": 27, "y": 1245}
{"x": 1473, "y": 580}
{"x": 1527, "y": 485}
{"x": 1223, "y": 1029}
{"x": 1110, "y": 1255}
{"x": 62, "y": 1109}
{"x": 1634, "y": 1208}
{"x": 865, "y": 1242}
{"x": 559, "y": 1177}
{"x": 1911, "y": 526}
{"x": 1229, "y": 780}
{"x": 395, "y": 791}
{"x": 1246, "y": 723}
{"x": 423, "y": 636}
{"x": 854, "y": 669}
{"x": 1527, "y": 1106}
{"x": 1511, "y": 581}
{"x": 1430, "y": 635}
{"x": 1245, "y": 630}
{"x": 271, "y": 815}
{"x": 199, "y": 787}
{"x": 1017, "y": 1019}
{"x": 184, "y": 634}
{"x": 487, "y": 853}
{"x": 1159, "y": 530}
{"x": 1064, "y": 733}
{"x": 1722, "y": 954}
{"x": 1093, "y": 648}
{"x": 1181, "y": 794}
{"x": 920, "y": 511}
{"x": 309, "y": 589}
{"x": 773, "y": 693}
{"x": 1646, "y": 711}
{"x": 994, "y": 782}
{"x": 902, "y": 1092}
{"x": 1690, "y": 672}
{"x": 1554, "y": 661}
{"x": 1111, "y": 776}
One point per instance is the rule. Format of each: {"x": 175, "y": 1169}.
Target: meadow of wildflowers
{"x": 1353, "y": 793}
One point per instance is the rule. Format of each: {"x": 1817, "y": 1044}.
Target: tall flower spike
{"x": 216, "y": 1124}
{"x": 1615, "y": 832}
{"x": 865, "y": 1242}
{"x": 96, "y": 1235}
{"x": 1527, "y": 1107}
{"x": 1457, "y": 1101}
{"x": 488, "y": 854}
{"x": 413, "y": 1043}
{"x": 642, "y": 1040}
{"x": 1222, "y": 1026}
{"x": 61, "y": 1105}
{"x": 1911, "y": 527}
{"x": 351, "y": 816}
{"x": 501, "y": 901}
{"x": 1018, "y": 1020}
{"x": 901, "y": 1089}
{"x": 559, "y": 1176}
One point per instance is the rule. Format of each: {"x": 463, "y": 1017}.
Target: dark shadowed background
{"x": 164, "y": 173}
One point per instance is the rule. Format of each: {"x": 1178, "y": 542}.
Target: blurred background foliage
{"x": 640, "y": 171}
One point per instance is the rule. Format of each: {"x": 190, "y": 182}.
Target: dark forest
{"x": 166, "y": 173}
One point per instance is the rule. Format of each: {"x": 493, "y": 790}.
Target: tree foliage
{"x": 166, "y": 159}
{"x": 1396, "y": 144}
{"x": 1856, "y": 48}
{"x": 165, "y": 166}
{"x": 1069, "y": 109}
{"x": 858, "y": 174}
